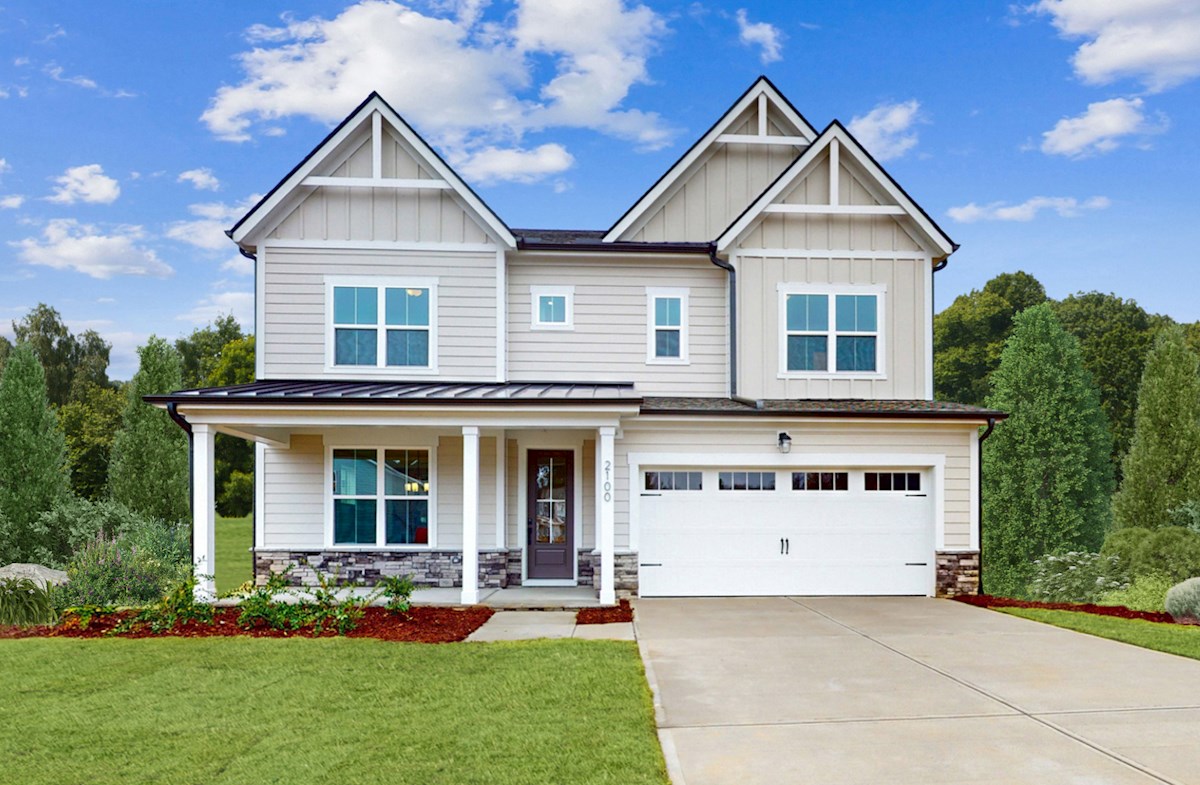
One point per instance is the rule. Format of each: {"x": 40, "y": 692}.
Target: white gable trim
{"x": 937, "y": 242}
{"x": 374, "y": 110}
{"x": 762, "y": 92}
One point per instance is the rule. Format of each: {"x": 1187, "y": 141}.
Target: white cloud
{"x": 761, "y": 34}
{"x": 239, "y": 265}
{"x": 5, "y": 166}
{"x": 202, "y": 179}
{"x": 1100, "y": 128}
{"x": 467, "y": 83}
{"x": 492, "y": 164}
{"x": 1065, "y": 206}
{"x": 11, "y": 202}
{"x": 1154, "y": 41}
{"x": 85, "y": 184}
{"x": 207, "y": 231}
{"x": 56, "y": 72}
{"x": 67, "y": 244}
{"x": 887, "y": 130}
{"x": 240, "y": 304}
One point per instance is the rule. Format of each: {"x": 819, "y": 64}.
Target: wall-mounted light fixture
{"x": 785, "y": 443}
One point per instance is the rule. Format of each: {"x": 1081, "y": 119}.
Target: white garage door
{"x": 709, "y": 532}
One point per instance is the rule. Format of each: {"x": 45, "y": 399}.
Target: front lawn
{"x": 234, "y": 565}
{"x": 1178, "y": 639}
{"x": 325, "y": 711}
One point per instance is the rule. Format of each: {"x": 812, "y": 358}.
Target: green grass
{"x": 340, "y": 710}
{"x": 233, "y": 560}
{"x": 1171, "y": 638}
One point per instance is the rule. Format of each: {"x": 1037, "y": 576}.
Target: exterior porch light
{"x": 785, "y": 443}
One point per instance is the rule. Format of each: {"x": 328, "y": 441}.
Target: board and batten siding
{"x": 295, "y": 479}
{"x": 904, "y": 329}
{"x": 292, "y": 336}
{"x": 743, "y": 441}
{"x": 608, "y": 340}
{"x": 382, "y": 214}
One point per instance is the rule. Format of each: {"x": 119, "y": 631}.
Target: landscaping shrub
{"x": 74, "y": 522}
{"x": 1076, "y": 576}
{"x": 1186, "y": 515}
{"x": 398, "y": 590}
{"x": 23, "y": 601}
{"x": 1145, "y": 593}
{"x": 177, "y": 606}
{"x": 1170, "y": 551}
{"x": 105, "y": 573}
{"x": 167, "y": 543}
{"x": 324, "y": 611}
{"x": 1124, "y": 544}
{"x": 1183, "y": 601}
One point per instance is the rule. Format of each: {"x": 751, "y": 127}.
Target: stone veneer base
{"x": 957, "y": 573}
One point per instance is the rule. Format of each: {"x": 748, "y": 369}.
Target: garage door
{"x": 745, "y": 531}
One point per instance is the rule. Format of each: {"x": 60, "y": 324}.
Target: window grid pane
{"x": 355, "y": 305}
{"x": 666, "y": 343}
{"x": 552, "y": 309}
{"x": 668, "y": 312}
{"x": 354, "y": 347}
{"x": 408, "y": 348}
{"x": 855, "y": 353}
{"x": 807, "y": 353}
{"x": 407, "y": 307}
{"x": 807, "y": 313}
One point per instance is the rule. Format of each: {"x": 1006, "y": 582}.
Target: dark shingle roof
{"x": 818, "y": 408}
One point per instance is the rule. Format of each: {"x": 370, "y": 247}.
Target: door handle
{"x": 780, "y": 546}
{"x": 787, "y": 546}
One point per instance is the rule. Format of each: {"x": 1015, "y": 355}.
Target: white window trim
{"x": 831, "y": 291}
{"x": 535, "y": 310}
{"x": 381, "y": 283}
{"x": 653, "y": 293}
{"x": 380, "y": 497}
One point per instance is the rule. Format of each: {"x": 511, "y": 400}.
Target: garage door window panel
{"x": 892, "y": 481}
{"x": 820, "y": 481}
{"x": 674, "y": 481}
{"x": 746, "y": 481}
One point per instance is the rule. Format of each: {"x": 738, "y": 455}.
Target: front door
{"x": 551, "y": 534}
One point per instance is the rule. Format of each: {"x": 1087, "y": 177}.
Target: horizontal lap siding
{"x": 608, "y": 342}
{"x": 743, "y": 442}
{"x": 294, "y": 495}
{"x": 905, "y": 359}
{"x": 292, "y": 336}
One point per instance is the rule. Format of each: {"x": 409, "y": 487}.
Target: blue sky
{"x": 1058, "y": 137}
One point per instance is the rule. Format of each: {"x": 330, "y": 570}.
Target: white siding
{"x": 294, "y": 495}
{"x": 292, "y": 337}
{"x": 608, "y": 342}
{"x": 744, "y": 440}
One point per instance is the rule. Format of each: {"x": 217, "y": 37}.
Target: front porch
{"x": 512, "y": 492}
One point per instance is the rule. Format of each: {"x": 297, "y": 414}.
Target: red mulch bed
{"x": 1120, "y": 611}
{"x": 610, "y": 615}
{"x": 420, "y": 625}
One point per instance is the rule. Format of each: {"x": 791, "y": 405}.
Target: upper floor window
{"x": 667, "y": 328}
{"x": 382, "y": 324}
{"x": 553, "y": 307}
{"x": 828, "y": 331}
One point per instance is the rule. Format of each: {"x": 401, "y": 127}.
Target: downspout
{"x": 979, "y": 490}
{"x": 173, "y": 413}
{"x": 712, "y": 256}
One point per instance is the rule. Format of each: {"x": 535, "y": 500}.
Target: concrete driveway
{"x": 909, "y": 690}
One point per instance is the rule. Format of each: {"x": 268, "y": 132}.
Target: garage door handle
{"x": 787, "y": 545}
{"x": 916, "y": 564}
{"x": 652, "y": 494}
{"x": 649, "y": 564}
{"x": 916, "y": 494}
{"x": 780, "y": 546}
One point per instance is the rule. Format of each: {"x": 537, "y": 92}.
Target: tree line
{"x": 73, "y": 441}
{"x": 1102, "y": 445}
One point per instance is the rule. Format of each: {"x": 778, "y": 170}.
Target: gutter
{"x": 712, "y": 257}
{"x": 979, "y": 490}
{"x": 679, "y": 248}
{"x": 173, "y": 413}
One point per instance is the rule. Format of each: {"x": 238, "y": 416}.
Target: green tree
{"x": 90, "y": 421}
{"x": 969, "y": 335}
{"x": 33, "y": 473}
{"x": 148, "y": 472}
{"x": 1162, "y": 468}
{"x": 1047, "y": 477}
{"x": 1114, "y": 337}
{"x": 200, "y": 351}
{"x": 234, "y": 457}
{"x": 5, "y": 349}
{"x": 63, "y": 355}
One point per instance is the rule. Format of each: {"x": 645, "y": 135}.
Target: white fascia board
{"x": 362, "y": 116}
{"x": 703, "y": 148}
{"x": 849, "y": 148}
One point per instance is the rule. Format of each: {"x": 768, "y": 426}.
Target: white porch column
{"x": 606, "y": 491}
{"x": 470, "y": 538}
{"x": 203, "y": 512}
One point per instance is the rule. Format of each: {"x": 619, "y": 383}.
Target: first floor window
{"x": 387, "y": 326}
{"x": 818, "y": 341}
{"x": 381, "y": 496}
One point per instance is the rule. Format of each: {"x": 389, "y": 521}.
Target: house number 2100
{"x": 608, "y": 481}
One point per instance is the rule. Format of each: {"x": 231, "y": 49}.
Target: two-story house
{"x": 728, "y": 392}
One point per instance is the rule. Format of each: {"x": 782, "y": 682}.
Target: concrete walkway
{"x": 835, "y": 691}
{"x": 527, "y": 625}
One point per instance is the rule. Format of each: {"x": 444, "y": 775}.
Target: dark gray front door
{"x": 551, "y": 507}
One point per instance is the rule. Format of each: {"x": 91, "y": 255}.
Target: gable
{"x": 711, "y": 184}
{"x": 373, "y": 178}
{"x": 836, "y": 197}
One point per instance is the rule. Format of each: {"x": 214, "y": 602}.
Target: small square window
{"x": 553, "y": 307}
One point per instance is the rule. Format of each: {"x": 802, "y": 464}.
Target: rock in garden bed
{"x": 1120, "y": 611}
{"x": 420, "y": 624}
{"x": 613, "y": 614}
